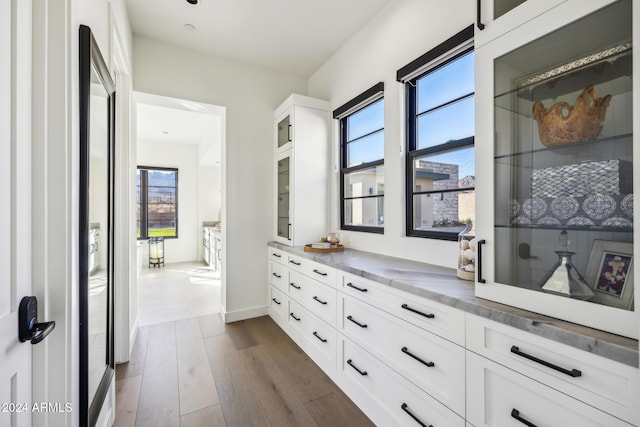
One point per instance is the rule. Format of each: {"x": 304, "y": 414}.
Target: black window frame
{"x": 359, "y": 103}
{"x": 445, "y": 53}
{"x": 144, "y": 200}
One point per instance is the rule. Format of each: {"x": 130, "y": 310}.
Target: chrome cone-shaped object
{"x": 564, "y": 279}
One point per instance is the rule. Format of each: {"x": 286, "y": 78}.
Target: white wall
{"x": 250, "y": 95}
{"x": 184, "y": 157}
{"x": 400, "y": 33}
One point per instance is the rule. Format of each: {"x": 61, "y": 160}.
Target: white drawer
{"x": 496, "y": 396}
{"x": 279, "y": 276}
{"x": 318, "y": 298}
{"x": 318, "y": 338}
{"x": 278, "y": 303}
{"x": 432, "y": 363}
{"x": 313, "y": 269}
{"x": 399, "y": 399}
{"x": 276, "y": 255}
{"x": 608, "y": 385}
{"x": 442, "y": 320}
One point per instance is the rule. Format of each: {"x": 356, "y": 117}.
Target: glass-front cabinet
{"x": 283, "y": 213}
{"x": 555, "y": 110}
{"x": 495, "y": 17}
{"x": 284, "y": 130}
{"x": 301, "y": 170}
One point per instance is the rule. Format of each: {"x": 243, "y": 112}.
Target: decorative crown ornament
{"x": 563, "y": 123}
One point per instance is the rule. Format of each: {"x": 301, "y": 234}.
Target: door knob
{"x": 28, "y": 327}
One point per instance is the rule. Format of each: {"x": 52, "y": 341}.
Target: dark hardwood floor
{"x": 200, "y": 372}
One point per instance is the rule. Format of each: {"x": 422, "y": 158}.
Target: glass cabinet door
{"x": 284, "y": 131}
{"x": 284, "y": 197}
{"x": 563, "y": 161}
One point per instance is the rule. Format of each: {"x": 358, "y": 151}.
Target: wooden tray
{"x": 339, "y": 248}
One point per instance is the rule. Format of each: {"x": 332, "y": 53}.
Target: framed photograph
{"x": 610, "y": 273}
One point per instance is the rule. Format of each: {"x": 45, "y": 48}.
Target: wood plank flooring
{"x": 199, "y": 372}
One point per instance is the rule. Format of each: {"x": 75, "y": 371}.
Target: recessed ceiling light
{"x": 193, "y": 2}
{"x": 189, "y": 27}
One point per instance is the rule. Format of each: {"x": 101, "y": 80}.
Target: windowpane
{"x": 138, "y": 202}
{"x": 361, "y": 143}
{"x": 365, "y": 182}
{"x": 366, "y": 120}
{"x": 450, "y": 123}
{"x": 160, "y": 203}
{"x": 365, "y": 150}
{"x": 445, "y": 170}
{"x": 450, "y": 82}
{"x": 440, "y": 146}
{"x": 367, "y": 212}
{"x": 445, "y": 211}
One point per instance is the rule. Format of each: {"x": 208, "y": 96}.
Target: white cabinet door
{"x": 500, "y": 397}
{"x": 528, "y": 194}
{"x": 608, "y": 385}
{"x": 497, "y": 17}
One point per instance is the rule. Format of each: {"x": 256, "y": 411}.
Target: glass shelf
{"x": 624, "y": 138}
{"x": 565, "y": 227}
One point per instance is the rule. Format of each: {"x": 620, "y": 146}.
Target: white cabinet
{"x": 94, "y": 249}
{"x": 496, "y": 17}
{"x": 604, "y": 384}
{"x": 401, "y": 401}
{"x": 304, "y": 307}
{"x": 429, "y": 361}
{"x": 555, "y": 154}
{"x": 498, "y": 397}
{"x": 301, "y": 168}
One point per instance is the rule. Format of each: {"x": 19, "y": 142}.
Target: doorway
{"x": 179, "y": 154}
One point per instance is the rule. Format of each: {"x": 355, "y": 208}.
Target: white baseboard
{"x": 247, "y": 313}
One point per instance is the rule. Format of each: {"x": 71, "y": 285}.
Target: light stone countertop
{"x": 442, "y": 285}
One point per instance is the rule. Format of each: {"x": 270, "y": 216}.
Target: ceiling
{"x": 175, "y": 121}
{"x": 291, "y": 36}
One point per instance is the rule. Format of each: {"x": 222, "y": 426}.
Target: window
{"x": 362, "y": 161}
{"x": 157, "y": 202}
{"x": 440, "y": 165}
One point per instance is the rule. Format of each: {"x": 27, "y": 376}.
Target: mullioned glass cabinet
{"x": 555, "y": 165}
{"x": 301, "y": 170}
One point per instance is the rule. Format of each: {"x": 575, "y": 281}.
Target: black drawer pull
{"x": 363, "y": 373}
{"x": 319, "y": 272}
{"x": 294, "y": 263}
{"x": 277, "y": 275}
{"x": 320, "y": 301}
{"x": 406, "y": 351}
{"x": 276, "y": 255}
{"x": 572, "y": 373}
{"x": 405, "y": 408}
{"x": 516, "y": 414}
{"x": 413, "y": 310}
{"x": 479, "y": 249}
{"x": 294, "y": 285}
{"x": 351, "y": 285}
{"x": 294, "y": 316}
{"x": 362, "y": 325}
{"x": 276, "y": 301}
{"x": 315, "y": 334}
